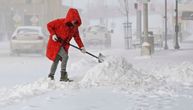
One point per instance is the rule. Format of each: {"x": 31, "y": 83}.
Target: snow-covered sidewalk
{"x": 125, "y": 81}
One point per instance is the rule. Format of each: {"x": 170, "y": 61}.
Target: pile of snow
{"x": 113, "y": 72}
{"x": 181, "y": 74}
{"x": 20, "y": 93}
{"x": 77, "y": 70}
{"x": 116, "y": 71}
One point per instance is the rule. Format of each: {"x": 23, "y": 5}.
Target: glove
{"x": 54, "y": 38}
{"x": 83, "y": 50}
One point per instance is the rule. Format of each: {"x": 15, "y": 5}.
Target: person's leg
{"x": 64, "y": 55}
{"x": 54, "y": 67}
{"x": 64, "y": 62}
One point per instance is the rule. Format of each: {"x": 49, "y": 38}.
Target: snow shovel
{"x": 100, "y": 57}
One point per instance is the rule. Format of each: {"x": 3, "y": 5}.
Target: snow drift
{"x": 113, "y": 72}
{"x": 116, "y": 71}
{"x": 181, "y": 74}
{"x": 24, "y": 92}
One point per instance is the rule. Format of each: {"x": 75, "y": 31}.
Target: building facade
{"x": 15, "y": 13}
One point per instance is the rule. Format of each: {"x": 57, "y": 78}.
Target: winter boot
{"x": 64, "y": 77}
{"x": 51, "y": 76}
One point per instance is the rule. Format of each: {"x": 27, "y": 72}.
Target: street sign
{"x": 187, "y": 15}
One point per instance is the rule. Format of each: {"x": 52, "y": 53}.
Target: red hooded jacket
{"x": 59, "y": 28}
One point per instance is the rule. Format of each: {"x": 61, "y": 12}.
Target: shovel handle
{"x": 86, "y": 51}
{"x": 63, "y": 42}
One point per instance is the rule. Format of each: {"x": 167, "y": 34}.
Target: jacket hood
{"x": 73, "y": 15}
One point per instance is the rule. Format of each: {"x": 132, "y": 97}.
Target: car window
{"x": 23, "y": 31}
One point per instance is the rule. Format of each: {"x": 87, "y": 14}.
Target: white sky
{"x": 77, "y": 3}
{"x": 84, "y": 3}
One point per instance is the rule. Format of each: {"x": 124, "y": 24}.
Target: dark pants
{"x": 61, "y": 54}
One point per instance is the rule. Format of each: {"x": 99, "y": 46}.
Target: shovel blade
{"x": 101, "y": 58}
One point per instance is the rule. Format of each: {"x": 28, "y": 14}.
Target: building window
{"x": 28, "y": 1}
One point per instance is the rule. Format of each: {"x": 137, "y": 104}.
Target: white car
{"x": 97, "y": 35}
{"x": 28, "y": 39}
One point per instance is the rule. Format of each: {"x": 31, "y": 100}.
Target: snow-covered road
{"x": 125, "y": 81}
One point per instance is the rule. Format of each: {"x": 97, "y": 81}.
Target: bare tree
{"x": 124, "y": 9}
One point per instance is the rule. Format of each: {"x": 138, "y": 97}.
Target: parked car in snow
{"x": 28, "y": 39}
{"x": 97, "y": 35}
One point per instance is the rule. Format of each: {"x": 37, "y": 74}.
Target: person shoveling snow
{"x": 65, "y": 29}
{"x": 61, "y": 32}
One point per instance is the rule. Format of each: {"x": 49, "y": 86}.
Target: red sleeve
{"x": 51, "y": 27}
{"x": 78, "y": 39}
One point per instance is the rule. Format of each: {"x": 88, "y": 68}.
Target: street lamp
{"x": 166, "y": 30}
{"x": 147, "y": 47}
{"x": 177, "y": 27}
{"x": 138, "y": 19}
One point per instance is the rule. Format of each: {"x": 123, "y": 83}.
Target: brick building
{"x": 15, "y": 13}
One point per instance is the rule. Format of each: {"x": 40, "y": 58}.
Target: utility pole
{"x": 139, "y": 23}
{"x": 127, "y": 43}
{"x": 166, "y": 30}
{"x": 147, "y": 44}
{"x": 177, "y": 27}
{"x": 145, "y": 21}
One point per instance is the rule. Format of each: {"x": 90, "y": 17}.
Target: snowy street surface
{"x": 124, "y": 81}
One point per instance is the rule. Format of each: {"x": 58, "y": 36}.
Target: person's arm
{"x": 78, "y": 39}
